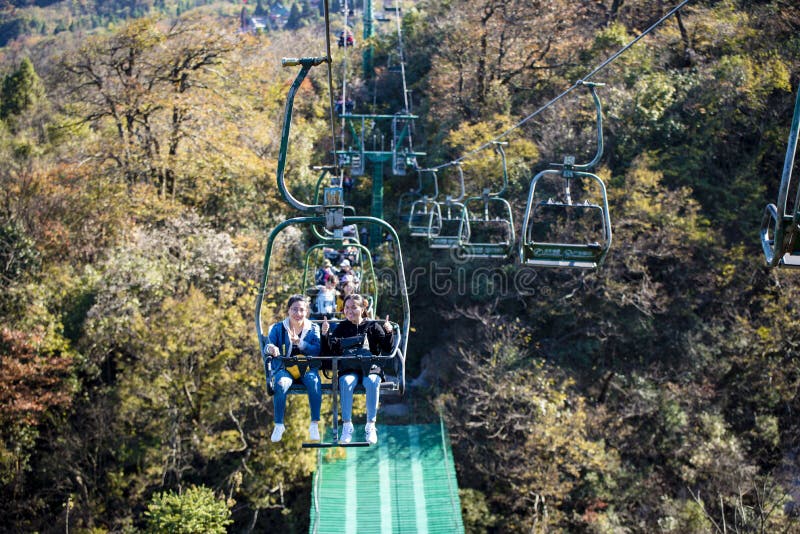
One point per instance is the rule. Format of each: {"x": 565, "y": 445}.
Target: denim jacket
{"x": 278, "y": 335}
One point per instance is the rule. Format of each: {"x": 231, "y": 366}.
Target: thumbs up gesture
{"x": 325, "y": 326}
{"x": 387, "y": 326}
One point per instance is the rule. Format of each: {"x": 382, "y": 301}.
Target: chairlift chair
{"x": 450, "y": 227}
{"x": 393, "y": 62}
{"x": 331, "y": 215}
{"x": 491, "y": 224}
{"x": 562, "y": 230}
{"x": 548, "y": 217}
{"x": 401, "y": 130}
{"x": 425, "y": 218}
{"x": 368, "y": 286}
{"x": 780, "y": 225}
{"x": 353, "y": 157}
{"x": 453, "y": 227}
{"x": 409, "y": 198}
{"x": 393, "y": 363}
{"x": 490, "y": 220}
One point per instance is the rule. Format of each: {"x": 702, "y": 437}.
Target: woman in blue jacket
{"x": 294, "y": 335}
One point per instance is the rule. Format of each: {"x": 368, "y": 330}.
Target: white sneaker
{"x": 313, "y": 431}
{"x": 277, "y": 433}
{"x": 347, "y": 433}
{"x": 371, "y": 433}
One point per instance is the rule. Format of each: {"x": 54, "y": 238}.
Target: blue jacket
{"x": 278, "y": 335}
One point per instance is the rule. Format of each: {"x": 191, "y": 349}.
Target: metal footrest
{"x": 330, "y": 444}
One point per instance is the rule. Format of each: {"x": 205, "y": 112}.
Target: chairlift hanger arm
{"x": 777, "y": 234}
{"x": 599, "y": 110}
{"x": 498, "y": 146}
{"x": 463, "y": 193}
{"x": 435, "y": 184}
{"x": 305, "y": 64}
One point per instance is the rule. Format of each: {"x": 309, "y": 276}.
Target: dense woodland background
{"x": 138, "y": 142}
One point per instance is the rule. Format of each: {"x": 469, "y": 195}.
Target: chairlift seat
{"x": 563, "y": 254}
{"x": 451, "y": 234}
{"x": 424, "y": 219}
{"x": 392, "y": 364}
{"x": 391, "y": 383}
{"x": 490, "y": 238}
{"x": 588, "y": 256}
{"x": 418, "y": 224}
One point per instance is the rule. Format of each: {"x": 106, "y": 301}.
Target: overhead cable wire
{"x": 400, "y": 51}
{"x": 407, "y": 107}
{"x": 329, "y": 60}
{"x": 580, "y": 82}
{"x": 344, "y": 75}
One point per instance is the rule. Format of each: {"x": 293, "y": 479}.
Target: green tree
{"x": 153, "y": 86}
{"x": 192, "y": 511}
{"x": 18, "y": 254}
{"x": 21, "y": 90}
{"x": 541, "y": 462}
{"x": 295, "y": 18}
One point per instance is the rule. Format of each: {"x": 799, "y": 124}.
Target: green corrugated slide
{"x": 405, "y": 483}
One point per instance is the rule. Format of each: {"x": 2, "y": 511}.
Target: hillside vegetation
{"x": 657, "y": 394}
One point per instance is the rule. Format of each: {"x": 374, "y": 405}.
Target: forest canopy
{"x": 140, "y": 144}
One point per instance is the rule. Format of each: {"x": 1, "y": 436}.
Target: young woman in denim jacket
{"x": 292, "y": 336}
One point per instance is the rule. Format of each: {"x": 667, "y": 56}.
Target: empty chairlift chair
{"x": 425, "y": 218}
{"x": 422, "y": 212}
{"x": 780, "y": 226}
{"x": 490, "y": 221}
{"x": 407, "y": 199}
{"x": 449, "y": 228}
{"x": 402, "y": 155}
{"x": 567, "y": 222}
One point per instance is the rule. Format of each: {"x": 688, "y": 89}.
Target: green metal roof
{"x": 405, "y": 483}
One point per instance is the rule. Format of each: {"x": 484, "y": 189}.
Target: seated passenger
{"x": 347, "y": 184}
{"x": 323, "y": 272}
{"x": 332, "y": 255}
{"x": 347, "y": 274}
{"x": 347, "y": 288}
{"x": 378, "y": 338}
{"x": 295, "y": 335}
{"x": 326, "y": 298}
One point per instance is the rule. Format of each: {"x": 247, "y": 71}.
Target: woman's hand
{"x": 387, "y": 326}
{"x": 272, "y": 350}
{"x": 325, "y": 326}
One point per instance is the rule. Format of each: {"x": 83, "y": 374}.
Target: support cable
{"x": 406, "y": 106}
{"x": 329, "y": 60}
{"x": 580, "y": 82}
{"x": 344, "y": 78}
{"x": 400, "y": 51}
